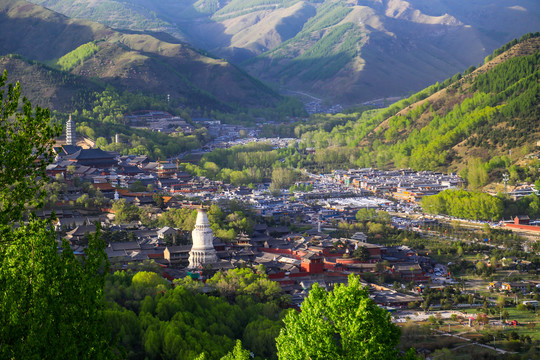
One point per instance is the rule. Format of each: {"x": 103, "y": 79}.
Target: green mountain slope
{"x": 48, "y": 87}
{"x": 341, "y": 50}
{"x": 133, "y": 61}
{"x": 489, "y": 112}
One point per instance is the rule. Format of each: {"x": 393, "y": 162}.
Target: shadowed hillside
{"x": 48, "y": 87}
{"x": 345, "y": 50}
{"x": 128, "y": 60}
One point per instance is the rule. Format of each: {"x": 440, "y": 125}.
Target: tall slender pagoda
{"x": 71, "y": 138}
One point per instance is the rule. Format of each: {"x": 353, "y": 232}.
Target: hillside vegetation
{"x": 48, "y": 87}
{"x": 128, "y": 61}
{"x": 481, "y": 123}
{"x": 484, "y": 113}
{"x": 77, "y": 56}
{"x": 346, "y": 51}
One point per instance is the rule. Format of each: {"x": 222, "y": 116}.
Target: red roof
{"x": 104, "y": 186}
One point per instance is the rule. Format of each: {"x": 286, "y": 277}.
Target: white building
{"x": 202, "y": 252}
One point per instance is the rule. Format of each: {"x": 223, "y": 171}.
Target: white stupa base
{"x": 199, "y": 258}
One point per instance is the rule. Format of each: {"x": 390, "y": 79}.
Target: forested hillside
{"x": 483, "y": 113}
{"x": 129, "y": 61}
{"x": 481, "y": 123}
{"x": 48, "y": 87}
{"x": 339, "y": 50}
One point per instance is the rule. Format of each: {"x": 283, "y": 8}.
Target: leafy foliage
{"x": 245, "y": 282}
{"x": 242, "y": 165}
{"x": 50, "y": 301}
{"x": 26, "y": 148}
{"x": 185, "y": 323}
{"x": 490, "y": 110}
{"x": 464, "y": 204}
{"x": 77, "y": 56}
{"x": 342, "y": 324}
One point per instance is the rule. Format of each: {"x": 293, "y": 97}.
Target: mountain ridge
{"x": 129, "y": 60}
{"x": 399, "y": 46}
{"x": 486, "y": 113}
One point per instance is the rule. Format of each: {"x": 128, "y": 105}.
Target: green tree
{"x": 236, "y": 282}
{"x": 341, "y": 324}
{"x": 26, "y": 148}
{"x": 238, "y": 353}
{"x": 50, "y": 301}
{"x": 158, "y": 200}
{"x": 148, "y": 279}
{"x": 362, "y": 253}
{"x": 125, "y": 212}
{"x": 283, "y": 177}
{"x": 366, "y": 214}
{"x": 480, "y": 267}
{"x": 137, "y": 186}
{"x": 501, "y": 301}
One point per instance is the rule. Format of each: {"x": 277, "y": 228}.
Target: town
{"x": 367, "y": 222}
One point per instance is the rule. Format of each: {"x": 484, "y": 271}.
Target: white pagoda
{"x": 71, "y": 138}
{"x": 202, "y": 252}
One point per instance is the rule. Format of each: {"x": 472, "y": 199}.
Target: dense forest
{"x": 148, "y": 318}
{"x": 250, "y": 164}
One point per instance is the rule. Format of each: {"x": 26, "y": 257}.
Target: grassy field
{"x": 425, "y": 336}
{"x": 522, "y": 317}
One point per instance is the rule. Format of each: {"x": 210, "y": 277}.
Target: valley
{"x": 269, "y": 179}
{"x": 346, "y": 52}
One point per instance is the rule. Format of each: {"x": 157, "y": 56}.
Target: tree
{"x": 148, "y": 279}
{"x": 480, "y": 267}
{"x": 26, "y": 148}
{"x": 50, "y": 301}
{"x": 158, "y": 200}
{"x": 362, "y": 253}
{"x": 283, "y": 177}
{"x": 341, "y": 324}
{"x": 125, "y": 212}
{"x": 237, "y": 282}
{"x": 501, "y": 301}
{"x": 137, "y": 186}
{"x": 238, "y": 353}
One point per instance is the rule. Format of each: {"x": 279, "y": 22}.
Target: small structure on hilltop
{"x": 203, "y": 251}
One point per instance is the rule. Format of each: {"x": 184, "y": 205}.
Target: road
{"x": 305, "y": 94}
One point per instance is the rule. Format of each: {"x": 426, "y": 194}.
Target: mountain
{"x": 48, "y": 87}
{"x": 140, "y": 62}
{"x": 487, "y": 113}
{"x": 347, "y": 51}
